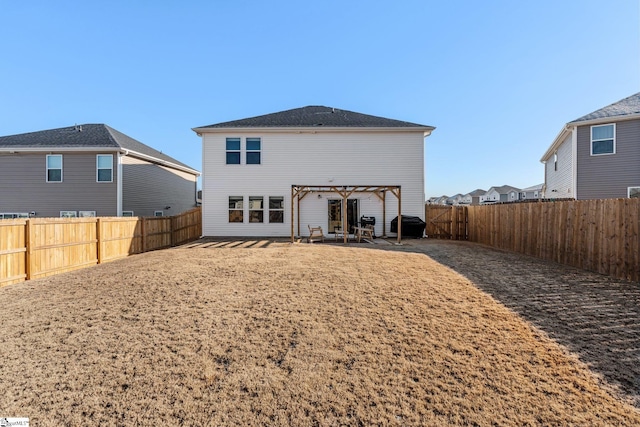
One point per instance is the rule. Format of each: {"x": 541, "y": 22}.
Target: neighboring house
{"x": 472, "y": 198}
{"x": 502, "y": 194}
{"x": 454, "y": 200}
{"x": 532, "y": 193}
{"x": 90, "y": 170}
{"x": 442, "y": 200}
{"x": 266, "y": 175}
{"x": 596, "y": 156}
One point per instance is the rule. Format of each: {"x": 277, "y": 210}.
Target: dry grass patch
{"x": 293, "y": 335}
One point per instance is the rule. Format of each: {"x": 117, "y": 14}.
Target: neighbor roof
{"x": 624, "y": 107}
{"x": 89, "y": 136}
{"x": 316, "y": 116}
{"x": 504, "y": 189}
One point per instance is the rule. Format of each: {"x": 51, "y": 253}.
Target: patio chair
{"x": 315, "y": 233}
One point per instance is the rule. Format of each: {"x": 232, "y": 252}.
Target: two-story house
{"x": 277, "y": 174}
{"x": 90, "y": 170}
{"x": 596, "y": 156}
{"x": 501, "y": 194}
{"x": 472, "y": 198}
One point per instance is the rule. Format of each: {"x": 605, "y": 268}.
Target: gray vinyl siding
{"x": 147, "y": 187}
{"x": 609, "y": 176}
{"x": 23, "y": 186}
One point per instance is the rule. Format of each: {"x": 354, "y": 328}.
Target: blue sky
{"x": 497, "y": 78}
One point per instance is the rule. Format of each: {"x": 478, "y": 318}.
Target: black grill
{"x": 368, "y": 220}
{"x": 412, "y": 226}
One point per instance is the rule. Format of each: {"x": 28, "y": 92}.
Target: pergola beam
{"x": 299, "y": 192}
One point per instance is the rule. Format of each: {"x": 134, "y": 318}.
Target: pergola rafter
{"x": 299, "y": 192}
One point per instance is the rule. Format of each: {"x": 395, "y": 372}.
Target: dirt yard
{"x": 280, "y": 334}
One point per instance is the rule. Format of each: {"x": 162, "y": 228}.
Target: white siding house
{"x": 250, "y": 165}
{"x": 596, "y": 156}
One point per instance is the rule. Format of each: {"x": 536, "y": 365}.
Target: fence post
{"x": 99, "y": 242}
{"x": 172, "y": 227}
{"x": 142, "y": 232}
{"x": 27, "y": 242}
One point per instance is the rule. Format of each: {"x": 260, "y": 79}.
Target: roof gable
{"x": 624, "y": 107}
{"x": 316, "y": 116}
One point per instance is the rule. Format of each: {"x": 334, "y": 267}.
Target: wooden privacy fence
{"x": 595, "y": 235}
{"x": 40, "y": 247}
{"x": 446, "y": 222}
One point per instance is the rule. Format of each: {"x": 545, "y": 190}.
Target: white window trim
{"x": 592, "y": 140}
{"x": 269, "y": 210}
{"x": 83, "y": 214}
{"x": 629, "y": 190}
{"x": 229, "y": 210}
{"x": 12, "y": 215}
{"x": 46, "y": 168}
{"x": 155, "y": 213}
{"x": 239, "y": 151}
{"x": 256, "y": 210}
{"x": 247, "y": 151}
{"x": 127, "y": 214}
{"x": 98, "y": 167}
{"x": 62, "y": 214}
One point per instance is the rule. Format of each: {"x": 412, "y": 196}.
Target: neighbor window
{"x": 233, "y": 151}
{"x": 85, "y": 214}
{"x": 276, "y": 209}
{"x": 104, "y": 164}
{"x": 256, "y": 209}
{"x": 127, "y": 213}
{"x": 158, "y": 213}
{"x": 54, "y": 167}
{"x": 236, "y": 209}
{"x": 555, "y": 161}
{"x": 13, "y": 215}
{"x": 68, "y": 214}
{"x": 253, "y": 151}
{"x": 603, "y": 140}
{"x": 634, "y": 192}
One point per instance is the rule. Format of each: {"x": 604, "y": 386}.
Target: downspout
{"x": 119, "y": 183}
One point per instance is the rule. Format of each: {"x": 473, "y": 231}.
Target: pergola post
{"x": 292, "y": 196}
{"x": 399, "y": 215}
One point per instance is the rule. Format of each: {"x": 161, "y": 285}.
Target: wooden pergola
{"x": 299, "y": 192}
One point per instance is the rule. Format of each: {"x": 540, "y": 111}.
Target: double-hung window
{"x": 603, "y": 139}
{"x": 253, "y": 151}
{"x": 236, "y": 209}
{"x": 276, "y": 209}
{"x": 104, "y": 168}
{"x": 54, "y": 167}
{"x": 233, "y": 151}
{"x": 256, "y": 209}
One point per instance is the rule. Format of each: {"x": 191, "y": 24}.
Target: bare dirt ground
{"x": 269, "y": 333}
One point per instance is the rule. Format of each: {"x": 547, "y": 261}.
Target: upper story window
{"x": 603, "y": 139}
{"x": 233, "y": 151}
{"x": 253, "y": 151}
{"x": 54, "y": 167}
{"x": 158, "y": 213}
{"x": 68, "y": 214}
{"x": 555, "y": 161}
{"x": 104, "y": 165}
{"x": 634, "y": 192}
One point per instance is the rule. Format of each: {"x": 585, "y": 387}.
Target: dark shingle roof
{"x": 624, "y": 107}
{"x": 83, "y": 136}
{"x": 315, "y": 116}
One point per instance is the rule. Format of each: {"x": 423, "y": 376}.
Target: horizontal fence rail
{"x": 596, "y": 235}
{"x": 40, "y": 247}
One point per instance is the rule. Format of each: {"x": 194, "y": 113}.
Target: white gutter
{"x": 161, "y": 162}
